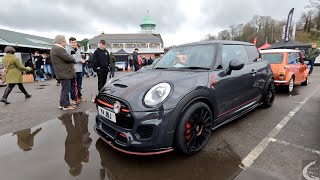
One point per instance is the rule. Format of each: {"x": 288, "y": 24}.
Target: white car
{"x": 317, "y": 61}
{"x": 120, "y": 65}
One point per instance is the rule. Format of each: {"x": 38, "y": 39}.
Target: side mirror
{"x": 234, "y": 65}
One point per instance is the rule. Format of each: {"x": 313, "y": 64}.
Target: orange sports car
{"x": 288, "y": 67}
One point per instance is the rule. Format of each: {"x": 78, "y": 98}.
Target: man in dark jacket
{"x": 135, "y": 59}
{"x": 63, "y": 64}
{"x": 101, "y": 63}
{"x": 112, "y": 65}
{"x": 39, "y": 65}
{"x": 311, "y": 56}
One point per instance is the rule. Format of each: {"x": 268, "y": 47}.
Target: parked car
{"x": 192, "y": 90}
{"x": 288, "y": 67}
{"x": 317, "y": 61}
{"x": 120, "y": 65}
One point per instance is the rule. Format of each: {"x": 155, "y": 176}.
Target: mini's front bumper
{"x": 129, "y": 141}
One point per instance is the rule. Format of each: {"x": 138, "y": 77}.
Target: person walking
{"x": 47, "y": 65}
{"x": 311, "y": 55}
{"x": 39, "y": 65}
{"x": 101, "y": 63}
{"x": 73, "y": 50}
{"x": 14, "y": 69}
{"x": 112, "y": 65}
{"x": 63, "y": 64}
{"x": 135, "y": 59}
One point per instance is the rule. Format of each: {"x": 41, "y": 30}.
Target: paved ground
{"x": 274, "y": 143}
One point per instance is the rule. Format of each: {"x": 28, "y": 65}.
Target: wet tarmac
{"x": 68, "y": 147}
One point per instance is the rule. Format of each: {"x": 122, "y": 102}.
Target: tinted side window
{"x": 232, "y": 52}
{"x": 252, "y": 52}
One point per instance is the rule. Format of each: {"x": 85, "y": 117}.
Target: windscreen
{"x": 201, "y": 56}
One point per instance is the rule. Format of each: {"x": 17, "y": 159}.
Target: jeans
{"x": 65, "y": 90}
{"x": 311, "y": 63}
{"x": 79, "y": 86}
{"x": 40, "y": 73}
{"x": 47, "y": 69}
{"x": 102, "y": 77}
{"x": 112, "y": 70}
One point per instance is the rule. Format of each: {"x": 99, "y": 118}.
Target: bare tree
{"x": 224, "y": 35}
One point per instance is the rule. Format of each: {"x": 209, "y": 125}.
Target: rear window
{"x": 273, "y": 58}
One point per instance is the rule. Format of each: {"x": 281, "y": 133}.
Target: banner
{"x": 255, "y": 40}
{"x": 288, "y": 27}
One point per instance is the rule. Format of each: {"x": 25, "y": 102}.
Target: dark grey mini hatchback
{"x": 177, "y": 102}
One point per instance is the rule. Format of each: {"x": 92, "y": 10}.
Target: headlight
{"x": 157, "y": 94}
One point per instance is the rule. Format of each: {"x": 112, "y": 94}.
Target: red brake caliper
{"x": 188, "y": 130}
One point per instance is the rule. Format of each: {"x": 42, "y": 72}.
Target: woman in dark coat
{"x": 14, "y": 69}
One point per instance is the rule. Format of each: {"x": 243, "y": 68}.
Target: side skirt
{"x": 239, "y": 115}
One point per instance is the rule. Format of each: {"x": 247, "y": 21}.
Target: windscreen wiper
{"x": 195, "y": 68}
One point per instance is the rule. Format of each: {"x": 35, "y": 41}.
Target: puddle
{"x": 43, "y": 85}
{"x": 40, "y": 88}
{"x": 68, "y": 147}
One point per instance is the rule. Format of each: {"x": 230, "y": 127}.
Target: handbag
{"x": 27, "y": 78}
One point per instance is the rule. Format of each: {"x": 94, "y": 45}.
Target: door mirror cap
{"x": 236, "y": 65}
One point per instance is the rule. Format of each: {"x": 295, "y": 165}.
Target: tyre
{"x": 306, "y": 82}
{"x": 194, "y": 129}
{"x": 289, "y": 88}
{"x": 269, "y": 94}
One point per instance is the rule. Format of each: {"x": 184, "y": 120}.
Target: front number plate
{"x": 107, "y": 114}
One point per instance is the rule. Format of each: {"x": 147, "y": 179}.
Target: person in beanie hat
{"x": 14, "y": 69}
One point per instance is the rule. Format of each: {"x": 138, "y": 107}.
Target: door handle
{"x": 253, "y": 71}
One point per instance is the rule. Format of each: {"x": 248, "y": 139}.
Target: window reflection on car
{"x": 201, "y": 56}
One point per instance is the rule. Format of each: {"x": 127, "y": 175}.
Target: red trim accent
{"x": 122, "y": 135}
{"x": 238, "y": 107}
{"x": 104, "y": 103}
{"x": 134, "y": 153}
{"x": 111, "y": 106}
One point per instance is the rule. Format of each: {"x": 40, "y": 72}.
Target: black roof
{"x": 121, "y": 52}
{"x": 218, "y": 42}
{"x": 290, "y": 44}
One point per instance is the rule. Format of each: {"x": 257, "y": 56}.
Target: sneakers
{"x": 68, "y": 108}
{"x": 4, "y": 100}
{"x": 73, "y": 102}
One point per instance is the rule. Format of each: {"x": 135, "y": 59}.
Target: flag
{"x": 288, "y": 27}
{"x": 255, "y": 40}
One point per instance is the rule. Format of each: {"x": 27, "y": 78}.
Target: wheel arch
{"x": 191, "y": 98}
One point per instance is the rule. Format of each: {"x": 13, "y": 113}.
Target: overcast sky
{"x": 178, "y": 21}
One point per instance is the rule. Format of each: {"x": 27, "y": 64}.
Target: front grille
{"x": 124, "y": 119}
{"x": 144, "y": 132}
{"x": 111, "y": 132}
{"x": 111, "y": 101}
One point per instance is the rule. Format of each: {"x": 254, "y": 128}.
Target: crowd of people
{"x": 68, "y": 66}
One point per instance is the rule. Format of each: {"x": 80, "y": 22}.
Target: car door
{"x": 233, "y": 91}
{"x": 259, "y": 72}
{"x": 301, "y": 67}
{"x": 292, "y": 66}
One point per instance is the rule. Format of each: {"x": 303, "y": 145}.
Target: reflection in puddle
{"x": 60, "y": 149}
{"x": 214, "y": 164}
{"x": 77, "y": 142}
{"x": 26, "y": 138}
